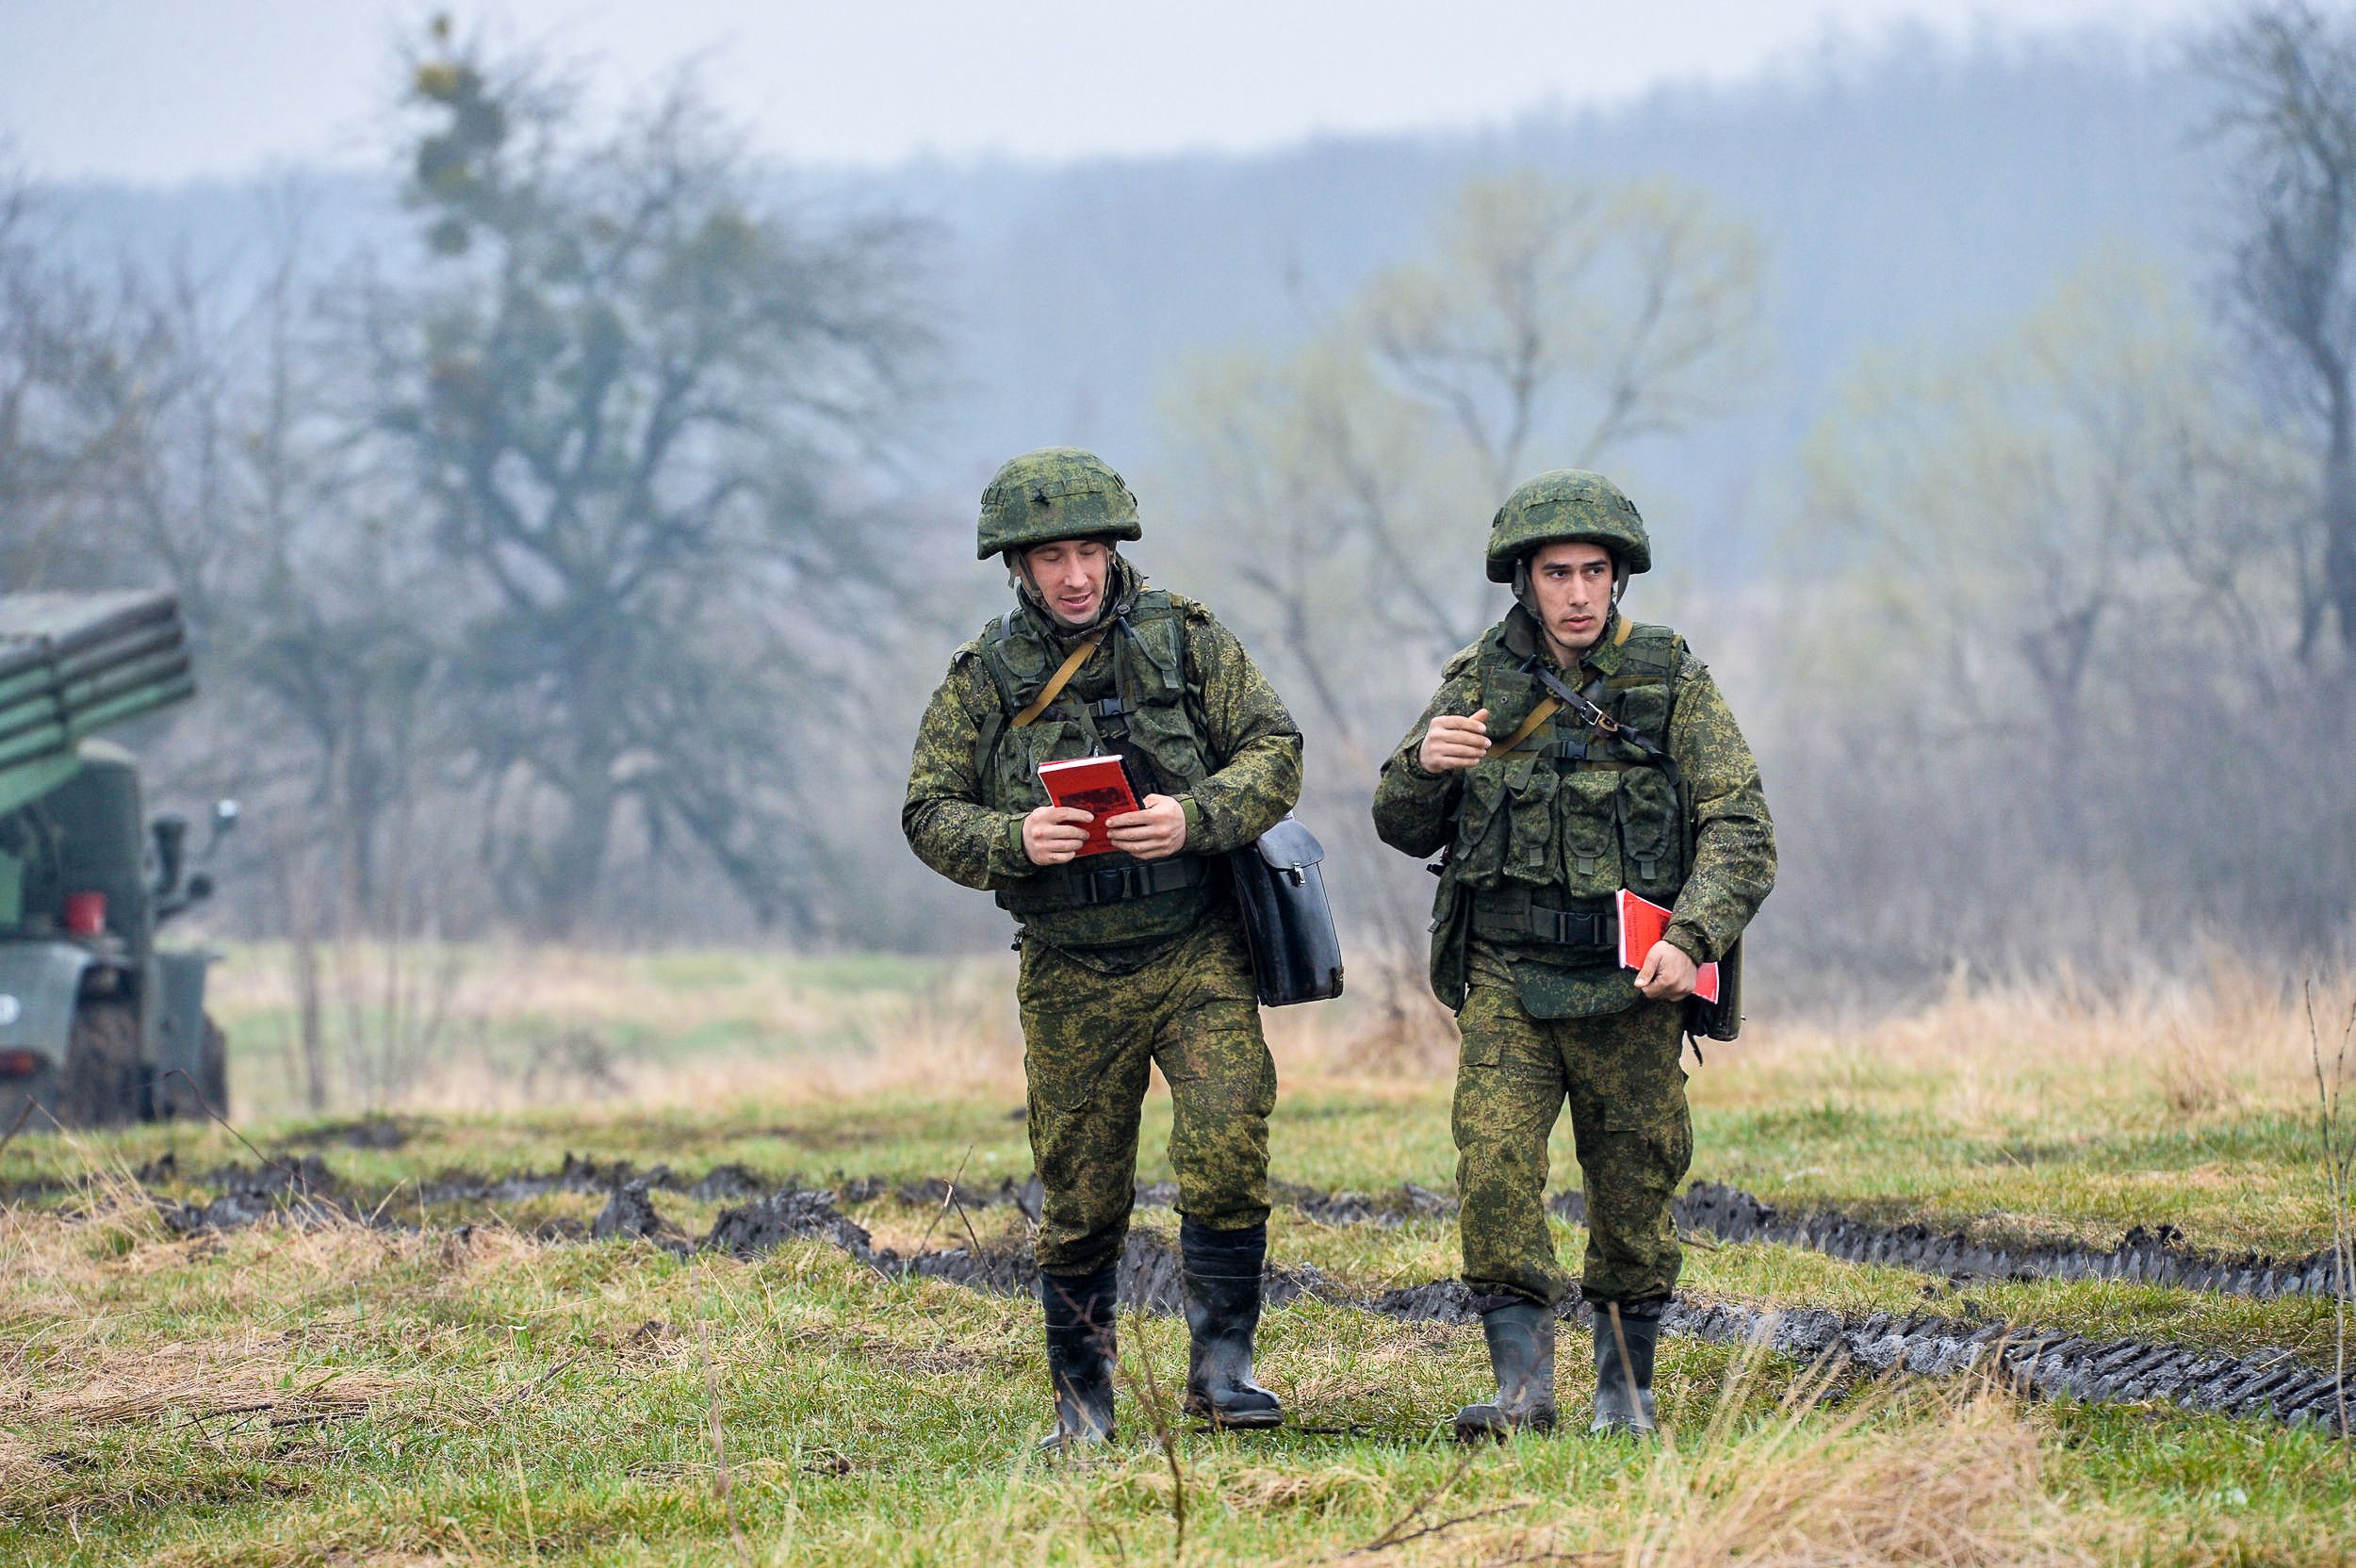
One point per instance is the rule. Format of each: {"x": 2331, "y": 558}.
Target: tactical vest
{"x": 1140, "y": 712}
{"x": 1547, "y": 832}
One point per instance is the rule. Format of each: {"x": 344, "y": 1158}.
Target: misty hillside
{"x": 1907, "y": 192}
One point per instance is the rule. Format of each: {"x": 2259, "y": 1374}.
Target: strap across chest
{"x": 1056, "y": 683}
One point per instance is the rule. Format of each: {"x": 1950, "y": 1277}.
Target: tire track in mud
{"x": 2271, "y": 1384}
{"x": 2148, "y": 1255}
{"x": 2037, "y": 1364}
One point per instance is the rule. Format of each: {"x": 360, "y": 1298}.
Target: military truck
{"x": 99, "y": 1026}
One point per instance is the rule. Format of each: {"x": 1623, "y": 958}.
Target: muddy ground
{"x": 767, "y": 1213}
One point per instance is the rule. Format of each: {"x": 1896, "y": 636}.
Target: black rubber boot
{"x": 1080, "y": 1355}
{"x": 1222, "y": 1290}
{"x": 1625, "y": 1338}
{"x": 1521, "y": 1352}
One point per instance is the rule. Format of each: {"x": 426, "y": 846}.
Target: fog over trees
{"x": 576, "y": 518}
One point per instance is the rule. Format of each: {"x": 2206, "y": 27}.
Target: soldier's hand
{"x": 1669, "y": 975}
{"x": 1156, "y": 831}
{"x": 1052, "y": 833}
{"x": 1454, "y": 743}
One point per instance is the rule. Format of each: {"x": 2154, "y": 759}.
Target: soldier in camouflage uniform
{"x": 1544, "y": 818}
{"x": 1132, "y": 957}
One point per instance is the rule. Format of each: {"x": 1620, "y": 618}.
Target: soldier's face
{"x": 1069, "y": 575}
{"x": 1572, "y": 583}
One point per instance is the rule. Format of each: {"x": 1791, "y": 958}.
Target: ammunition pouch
{"x": 1287, "y": 923}
{"x": 1512, "y": 914}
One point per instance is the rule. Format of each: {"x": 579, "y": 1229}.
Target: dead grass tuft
{"x": 250, "y": 1375}
{"x": 1986, "y": 1057}
{"x": 1894, "y": 1476}
{"x": 1266, "y": 1489}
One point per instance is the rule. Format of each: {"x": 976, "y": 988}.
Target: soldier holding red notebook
{"x": 1572, "y": 755}
{"x": 1133, "y": 952}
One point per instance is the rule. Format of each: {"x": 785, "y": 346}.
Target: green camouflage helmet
{"x": 1054, "y": 493}
{"x": 1562, "y": 505}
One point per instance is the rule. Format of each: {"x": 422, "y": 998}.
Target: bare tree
{"x": 2018, "y": 516}
{"x": 83, "y": 368}
{"x": 2289, "y": 72}
{"x": 1548, "y": 316}
{"x": 1575, "y": 314}
{"x": 2054, "y": 625}
{"x": 627, "y": 395}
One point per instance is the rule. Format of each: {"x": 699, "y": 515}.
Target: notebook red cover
{"x": 1644, "y": 922}
{"x": 1097, "y": 785}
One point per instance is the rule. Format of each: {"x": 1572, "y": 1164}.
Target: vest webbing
{"x": 1056, "y": 683}
{"x": 1149, "y": 698}
{"x": 1594, "y": 838}
{"x": 1548, "y": 709}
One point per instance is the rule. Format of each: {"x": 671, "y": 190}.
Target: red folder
{"x": 1097, "y": 785}
{"x": 1644, "y": 922}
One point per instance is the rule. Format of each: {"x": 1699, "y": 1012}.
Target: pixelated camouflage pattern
{"x": 1733, "y": 865}
{"x": 1561, "y": 506}
{"x": 1091, "y": 1039}
{"x": 1253, "y": 745}
{"x": 1053, "y": 493}
{"x": 1621, "y": 1076}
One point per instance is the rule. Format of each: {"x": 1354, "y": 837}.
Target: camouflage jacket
{"x": 964, "y": 818}
{"x": 1569, "y": 808}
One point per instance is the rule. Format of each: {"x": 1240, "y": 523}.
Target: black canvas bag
{"x": 1287, "y": 924}
{"x": 1721, "y": 1020}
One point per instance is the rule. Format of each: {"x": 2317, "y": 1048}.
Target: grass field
{"x": 468, "y": 1380}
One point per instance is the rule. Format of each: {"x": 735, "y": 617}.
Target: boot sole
{"x": 1213, "y": 1421}
{"x": 1497, "y": 1432}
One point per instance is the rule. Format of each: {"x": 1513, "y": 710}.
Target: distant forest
{"x": 1909, "y": 190}
{"x": 1983, "y": 422}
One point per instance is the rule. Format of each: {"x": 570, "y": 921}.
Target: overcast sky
{"x": 166, "y": 90}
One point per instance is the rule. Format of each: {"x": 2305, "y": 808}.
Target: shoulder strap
{"x": 1538, "y": 715}
{"x": 1056, "y": 683}
{"x": 1551, "y": 705}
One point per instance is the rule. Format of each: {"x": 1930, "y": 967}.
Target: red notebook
{"x": 1642, "y": 924}
{"x": 1097, "y": 785}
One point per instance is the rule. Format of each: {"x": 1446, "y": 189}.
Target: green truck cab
{"x": 99, "y": 1025}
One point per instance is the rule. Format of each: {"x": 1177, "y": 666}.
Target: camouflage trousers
{"x": 1091, "y": 1039}
{"x": 1621, "y": 1075}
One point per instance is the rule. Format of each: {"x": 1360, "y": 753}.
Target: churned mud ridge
{"x": 2038, "y": 1362}
{"x": 298, "y": 1191}
{"x": 2042, "y": 1364}
{"x": 727, "y": 1182}
{"x": 2046, "y": 1363}
{"x": 2146, "y": 1255}
{"x": 2151, "y": 1256}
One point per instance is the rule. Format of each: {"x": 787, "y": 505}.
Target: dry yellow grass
{"x": 2218, "y": 1042}
{"x": 252, "y": 1374}
{"x": 558, "y": 984}
{"x": 1956, "y": 1479}
{"x": 1981, "y": 1057}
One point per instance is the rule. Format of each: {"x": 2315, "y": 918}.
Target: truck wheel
{"x": 212, "y": 1067}
{"x": 99, "y": 1086}
{"x": 176, "y": 1096}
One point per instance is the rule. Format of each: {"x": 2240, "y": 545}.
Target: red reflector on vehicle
{"x": 18, "y": 1063}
